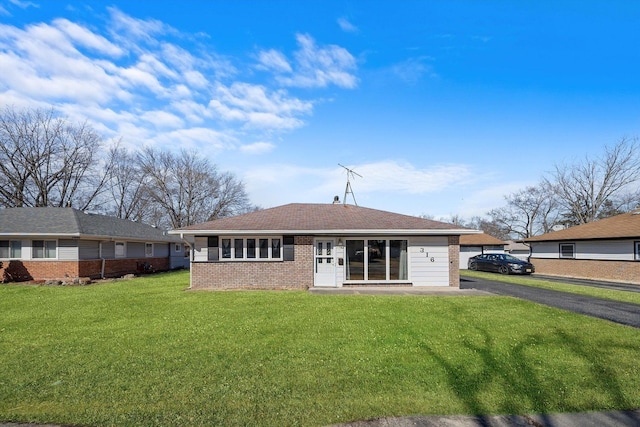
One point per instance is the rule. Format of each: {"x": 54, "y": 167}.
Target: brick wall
{"x": 20, "y": 271}
{"x": 297, "y": 274}
{"x": 624, "y": 271}
{"x": 454, "y": 261}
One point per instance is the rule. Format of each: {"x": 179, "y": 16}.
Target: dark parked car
{"x": 501, "y": 263}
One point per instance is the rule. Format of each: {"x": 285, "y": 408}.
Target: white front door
{"x": 324, "y": 263}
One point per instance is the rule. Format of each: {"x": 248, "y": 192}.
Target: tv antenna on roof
{"x": 348, "y": 190}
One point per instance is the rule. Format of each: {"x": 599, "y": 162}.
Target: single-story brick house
{"x": 478, "y": 244}
{"x": 50, "y": 243}
{"x": 608, "y": 249}
{"x": 300, "y": 246}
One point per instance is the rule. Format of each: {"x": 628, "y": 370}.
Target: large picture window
{"x": 376, "y": 260}
{"x": 10, "y": 249}
{"x": 250, "y": 248}
{"x": 44, "y": 249}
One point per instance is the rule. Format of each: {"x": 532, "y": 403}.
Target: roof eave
{"x": 341, "y": 232}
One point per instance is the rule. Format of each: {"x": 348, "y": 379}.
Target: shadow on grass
{"x": 527, "y": 386}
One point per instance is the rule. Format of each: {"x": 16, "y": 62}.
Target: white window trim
{"x": 115, "y": 250}
{"x": 244, "y": 239}
{"x": 573, "y": 247}
{"x": 177, "y": 247}
{"x": 145, "y": 250}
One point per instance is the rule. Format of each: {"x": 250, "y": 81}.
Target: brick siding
{"x": 297, "y": 274}
{"x": 454, "y": 261}
{"x": 20, "y": 271}
{"x": 624, "y": 271}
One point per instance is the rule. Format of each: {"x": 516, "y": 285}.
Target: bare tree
{"x": 490, "y": 227}
{"x": 528, "y": 212}
{"x": 128, "y": 198}
{"x": 188, "y": 188}
{"x": 586, "y": 188}
{"x": 47, "y": 161}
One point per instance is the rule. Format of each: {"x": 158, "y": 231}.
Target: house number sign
{"x": 426, "y": 254}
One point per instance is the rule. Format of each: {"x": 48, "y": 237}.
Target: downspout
{"x": 103, "y": 261}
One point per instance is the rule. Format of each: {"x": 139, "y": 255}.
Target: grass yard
{"x": 623, "y": 296}
{"x": 145, "y": 352}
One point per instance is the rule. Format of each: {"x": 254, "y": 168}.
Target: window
{"x": 178, "y": 247}
{"x": 637, "y": 251}
{"x": 567, "y": 250}
{"x": 10, "y": 249}
{"x": 226, "y": 248}
{"x": 398, "y": 260}
{"x": 264, "y": 248}
{"x": 148, "y": 249}
{"x": 377, "y": 265}
{"x": 275, "y": 248}
{"x": 238, "y": 246}
{"x": 44, "y": 249}
{"x": 120, "y": 250}
{"x": 383, "y": 260}
{"x": 250, "y": 248}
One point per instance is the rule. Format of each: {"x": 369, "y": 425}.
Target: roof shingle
{"x": 309, "y": 217}
{"x": 480, "y": 239}
{"x": 53, "y": 221}
{"x": 626, "y": 225}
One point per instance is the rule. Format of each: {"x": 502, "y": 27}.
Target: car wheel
{"x": 473, "y": 266}
{"x": 503, "y": 269}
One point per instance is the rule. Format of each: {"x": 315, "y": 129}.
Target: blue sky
{"x": 443, "y": 107}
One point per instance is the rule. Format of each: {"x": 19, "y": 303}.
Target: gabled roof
{"x": 309, "y": 218}
{"x": 480, "y": 240}
{"x": 69, "y": 222}
{"x": 626, "y": 225}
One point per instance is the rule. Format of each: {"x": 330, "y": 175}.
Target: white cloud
{"x": 162, "y": 119}
{"x": 414, "y": 69}
{"x": 347, "y": 26}
{"x": 257, "y": 148}
{"x": 380, "y": 182}
{"x": 257, "y": 106}
{"x": 317, "y": 66}
{"x": 86, "y": 38}
{"x": 274, "y": 60}
{"x": 144, "y": 81}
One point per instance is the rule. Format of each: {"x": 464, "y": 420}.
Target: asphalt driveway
{"x": 619, "y": 312}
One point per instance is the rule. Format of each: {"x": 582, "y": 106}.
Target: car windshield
{"x": 511, "y": 258}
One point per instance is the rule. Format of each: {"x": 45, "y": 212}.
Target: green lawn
{"x": 145, "y": 352}
{"x": 623, "y": 296}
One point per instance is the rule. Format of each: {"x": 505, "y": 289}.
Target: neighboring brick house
{"x": 608, "y": 249}
{"x": 478, "y": 244}
{"x": 298, "y": 246}
{"x": 50, "y": 243}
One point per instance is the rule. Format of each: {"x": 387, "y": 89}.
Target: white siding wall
{"x": 68, "y": 250}
{"x": 200, "y": 251}
{"x": 429, "y": 261}
{"x": 620, "y": 250}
